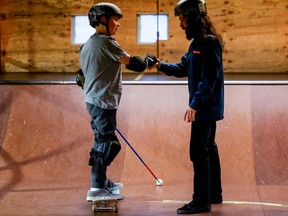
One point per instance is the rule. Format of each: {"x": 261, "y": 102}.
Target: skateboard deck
{"x": 105, "y": 206}
{"x": 110, "y": 205}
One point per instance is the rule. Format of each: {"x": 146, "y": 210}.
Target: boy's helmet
{"x": 102, "y": 9}
{"x": 190, "y": 7}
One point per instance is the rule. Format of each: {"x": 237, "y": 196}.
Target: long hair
{"x": 207, "y": 28}
{"x": 201, "y": 27}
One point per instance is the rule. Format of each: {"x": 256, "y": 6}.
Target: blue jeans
{"x": 103, "y": 124}
{"x": 206, "y": 162}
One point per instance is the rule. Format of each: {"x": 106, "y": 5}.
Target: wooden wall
{"x": 35, "y": 35}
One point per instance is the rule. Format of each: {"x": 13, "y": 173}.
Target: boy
{"x": 101, "y": 58}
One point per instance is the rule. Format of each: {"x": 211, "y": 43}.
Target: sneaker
{"x": 102, "y": 194}
{"x": 113, "y": 186}
{"x": 194, "y": 208}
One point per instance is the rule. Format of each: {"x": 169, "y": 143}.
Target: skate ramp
{"x": 45, "y": 141}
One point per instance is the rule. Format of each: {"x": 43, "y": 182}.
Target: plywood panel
{"x": 35, "y": 36}
{"x": 255, "y": 35}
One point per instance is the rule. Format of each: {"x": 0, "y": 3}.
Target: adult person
{"x": 203, "y": 66}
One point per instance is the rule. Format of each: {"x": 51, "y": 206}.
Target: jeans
{"x": 206, "y": 163}
{"x": 103, "y": 124}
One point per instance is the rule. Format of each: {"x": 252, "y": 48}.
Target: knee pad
{"x": 111, "y": 151}
{"x": 106, "y": 151}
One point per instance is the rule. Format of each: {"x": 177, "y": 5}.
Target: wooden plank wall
{"x": 35, "y": 35}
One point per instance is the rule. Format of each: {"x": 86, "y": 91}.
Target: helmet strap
{"x": 106, "y": 24}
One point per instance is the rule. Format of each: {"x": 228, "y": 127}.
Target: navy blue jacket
{"x": 203, "y": 66}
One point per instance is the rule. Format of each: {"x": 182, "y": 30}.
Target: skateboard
{"x": 105, "y": 206}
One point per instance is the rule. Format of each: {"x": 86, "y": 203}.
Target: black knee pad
{"x": 106, "y": 151}
{"x": 111, "y": 151}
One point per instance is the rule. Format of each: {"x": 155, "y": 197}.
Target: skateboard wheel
{"x": 94, "y": 208}
{"x": 116, "y": 209}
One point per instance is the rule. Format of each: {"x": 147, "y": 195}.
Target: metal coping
{"x": 125, "y": 82}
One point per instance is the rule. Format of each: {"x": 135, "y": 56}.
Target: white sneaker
{"x": 102, "y": 194}
{"x": 113, "y": 186}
